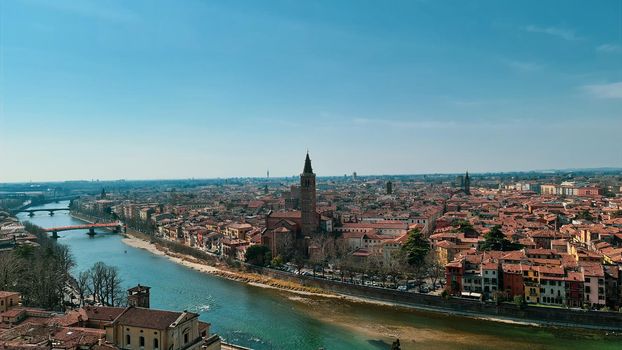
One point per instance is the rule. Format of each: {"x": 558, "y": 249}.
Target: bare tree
{"x": 113, "y": 289}
{"x": 98, "y": 276}
{"x": 324, "y": 248}
{"x": 10, "y": 266}
{"x": 393, "y": 266}
{"x": 104, "y": 284}
{"x": 285, "y": 246}
{"x": 82, "y": 286}
{"x": 436, "y": 270}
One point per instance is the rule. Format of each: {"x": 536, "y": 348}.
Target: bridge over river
{"x": 31, "y": 212}
{"x": 268, "y": 319}
{"x": 115, "y": 226}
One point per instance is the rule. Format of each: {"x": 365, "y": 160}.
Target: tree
{"x": 519, "y": 301}
{"x": 277, "y": 261}
{"x": 436, "y": 270}
{"x": 416, "y": 248}
{"x": 496, "y": 240}
{"x": 394, "y": 266}
{"x": 96, "y": 285}
{"x": 466, "y": 228}
{"x": 585, "y": 215}
{"x": 114, "y": 291}
{"x": 372, "y": 265}
{"x": 259, "y": 255}
{"x": 82, "y": 286}
{"x": 104, "y": 284}
{"x": 299, "y": 261}
{"x": 286, "y": 246}
{"x": 10, "y": 267}
{"x": 40, "y": 273}
{"x": 324, "y": 248}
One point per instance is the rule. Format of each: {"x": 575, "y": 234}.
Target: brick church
{"x": 288, "y": 231}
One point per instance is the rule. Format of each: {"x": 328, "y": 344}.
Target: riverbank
{"x": 263, "y": 281}
{"x": 268, "y": 318}
{"x": 317, "y": 288}
{"x": 142, "y": 241}
{"x": 223, "y": 271}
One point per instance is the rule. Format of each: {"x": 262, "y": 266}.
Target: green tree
{"x": 277, "y": 261}
{"x": 519, "y": 301}
{"x": 585, "y": 215}
{"x": 466, "y": 228}
{"x": 259, "y": 255}
{"x": 416, "y": 248}
{"x": 496, "y": 240}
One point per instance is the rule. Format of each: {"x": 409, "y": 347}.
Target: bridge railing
{"x": 82, "y": 227}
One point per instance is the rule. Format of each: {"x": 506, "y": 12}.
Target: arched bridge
{"x": 31, "y": 212}
{"x": 115, "y": 226}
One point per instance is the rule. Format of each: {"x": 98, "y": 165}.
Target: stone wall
{"x": 532, "y": 314}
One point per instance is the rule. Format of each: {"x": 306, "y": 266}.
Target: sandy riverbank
{"x": 152, "y": 248}
{"x": 286, "y": 286}
{"x": 225, "y": 272}
{"x": 257, "y": 280}
{"x": 219, "y": 270}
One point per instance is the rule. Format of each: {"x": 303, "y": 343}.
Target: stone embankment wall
{"x": 530, "y": 314}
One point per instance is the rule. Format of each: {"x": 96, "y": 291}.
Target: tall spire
{"x": 307, "y": 169}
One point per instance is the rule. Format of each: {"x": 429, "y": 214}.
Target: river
{"x": 270, "y": 319}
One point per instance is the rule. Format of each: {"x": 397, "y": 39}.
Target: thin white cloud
{"x": 611, "y": 90}
{"x": 563, "y": 33}
{"x": 609, "y": 48}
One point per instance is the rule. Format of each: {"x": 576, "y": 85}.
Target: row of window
{"x": 10, "y": 302}
{"x": 552, "y": 283}
{"x": 543, "y": 290}
{"x": 141, "y": 341}
{"x": 601, "y": 290}
{"x": 478, "y": 281}
{"x": 550, "y": 300}
{"x": 600, "y": 280}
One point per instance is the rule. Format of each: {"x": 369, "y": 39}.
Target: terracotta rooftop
{"x": 101, "y": 313}
{"x": 150, "y": 318}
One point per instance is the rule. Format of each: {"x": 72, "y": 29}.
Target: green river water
{"x": 269, "y": 319}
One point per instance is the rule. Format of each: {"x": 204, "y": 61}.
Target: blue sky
{"x": 178, "y": 89}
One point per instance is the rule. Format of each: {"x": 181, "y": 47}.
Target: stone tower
{"x": 467, "y": 183}
{"x": 138, "y": 296}
{"x": 307, "y": 200}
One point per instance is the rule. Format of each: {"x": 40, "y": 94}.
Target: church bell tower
{"x": 308, "y": 210}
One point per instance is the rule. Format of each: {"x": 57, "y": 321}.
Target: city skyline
{"x": 219, "y": 90}
{"x": 294, "y": 177}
